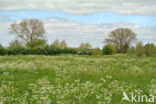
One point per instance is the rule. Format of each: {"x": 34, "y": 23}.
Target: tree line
{"x": 31, "y": 40}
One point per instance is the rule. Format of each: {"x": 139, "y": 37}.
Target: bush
{"x": 107, "y": 49}
{"x": 59, "y": 44}
{"x": 96, "y": 51}
{"x": 41, "y": 47}
{"x": 139, "y": 49}
{"x": 17, "y": 51}
{"x": 84, "y": 52}
{"x": 2, "y": 50}
{"x": 36, "y": 43}
{"x": 15, "y": 44}
{"x": 131, "y": 51}
{"x": 149, "y": 49}
{"x": 85, "y": 46}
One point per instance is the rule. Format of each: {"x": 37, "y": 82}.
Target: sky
{"x": 78, "y": 21}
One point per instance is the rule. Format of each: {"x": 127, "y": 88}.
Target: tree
{"x": 59, "y": 44}
{"x": 37, "y": 43}
{"x": 85, "y": 46}
{"x": 2, "y": 50}
{"x": 56, "y": 44}
{"x": 121, "y": 39}
{"x": 96, "y": 51}
{"x": 28, "y": 30}
{"x": 107, "y": 49}
{"x": 139, "y": 49}
{"x": 149, "y": 49}
{"x": 63, "y": 44}
{"x": 15, "y": 44}
{"x": 131, "y": 50}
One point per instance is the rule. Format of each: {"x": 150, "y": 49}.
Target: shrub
{"x": 37, "y": 43}
{"x": 139, "y": 49}
{"x": 55, "y": 44}
{"x": 107, "y": 49}
{"x": 63, "y": 44}
{"x": 85, "y": 46}
{"x": 83, "y": 52}
{"x": 131, "y": 50}
{"x": 18, "y": 51}
{"x": 15, "y": 44}
{"x": 2, "y": 50}
{"x": 59, "y": 44}
{"x": 96, "y": 51}
{"x": 149, "y": 49}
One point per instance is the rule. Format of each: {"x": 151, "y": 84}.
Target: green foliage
{"x": 85, "y": 46}
{"x": 107, "y": 49}
{"x": 84, "y": 49}
{"x": 121, "y": 39}
{"x": 17, "y": 51}
{"x": 131, "y": 51}
{"x": 41, "y": 47}
{"x": 96, "y": 51}
{"x": 83, "y": 52}
{"x": 59, "y": 44}
{"x": 15, "y": 44}
{"x": 37, "y": 43}
{"x": 139, "y": 49}
{"x": 63, "y": 44}
{"x": 149, "y": 49}
{"x": 44, "y": 50}
{"x": 56, "y": 44}
{"x": 2, "y": 50}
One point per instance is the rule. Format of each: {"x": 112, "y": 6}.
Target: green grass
{"x": 75, "y": 79}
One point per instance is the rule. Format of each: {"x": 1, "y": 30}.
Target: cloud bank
{"x": 75, "y": 33}
{"x": 140, "y": 7}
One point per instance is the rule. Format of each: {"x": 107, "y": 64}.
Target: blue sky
{"x": 94, "y": 18}
{"x": 80, "y": 21}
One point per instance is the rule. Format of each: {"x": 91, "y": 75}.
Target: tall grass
{"x": 74, "y": 79}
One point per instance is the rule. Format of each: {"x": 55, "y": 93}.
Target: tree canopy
{"x": 28, "y": 30}
{"x": 121, "y": 39}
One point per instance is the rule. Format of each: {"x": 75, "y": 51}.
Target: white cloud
{"x": 143, "y": 34}
{"x": 4, "y": 37}
{"x": 143, "y": 7}
{"x": 75, "y": 33}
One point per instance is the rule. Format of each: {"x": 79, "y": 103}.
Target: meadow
{"x": 74, "y": 79}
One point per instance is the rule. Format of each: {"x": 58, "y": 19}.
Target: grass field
{"x": 73, "y": 79}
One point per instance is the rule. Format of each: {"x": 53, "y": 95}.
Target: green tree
{"x": 96, "y": 51}
{"x": 139, "y": 49}
{"x": 37, "y": 43}
{"x": 131, "y": 50}
{"x": 2, "y": 50}
{"x": 63, "y": 44}
{"x": 56, "y": 44}
{"x": 149, "y": 49}
{"x": 85, "y": 46}
{"x": 15, "y": 44}
{"x": 121, "y": 38}
{"x": 107, "y": 49}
